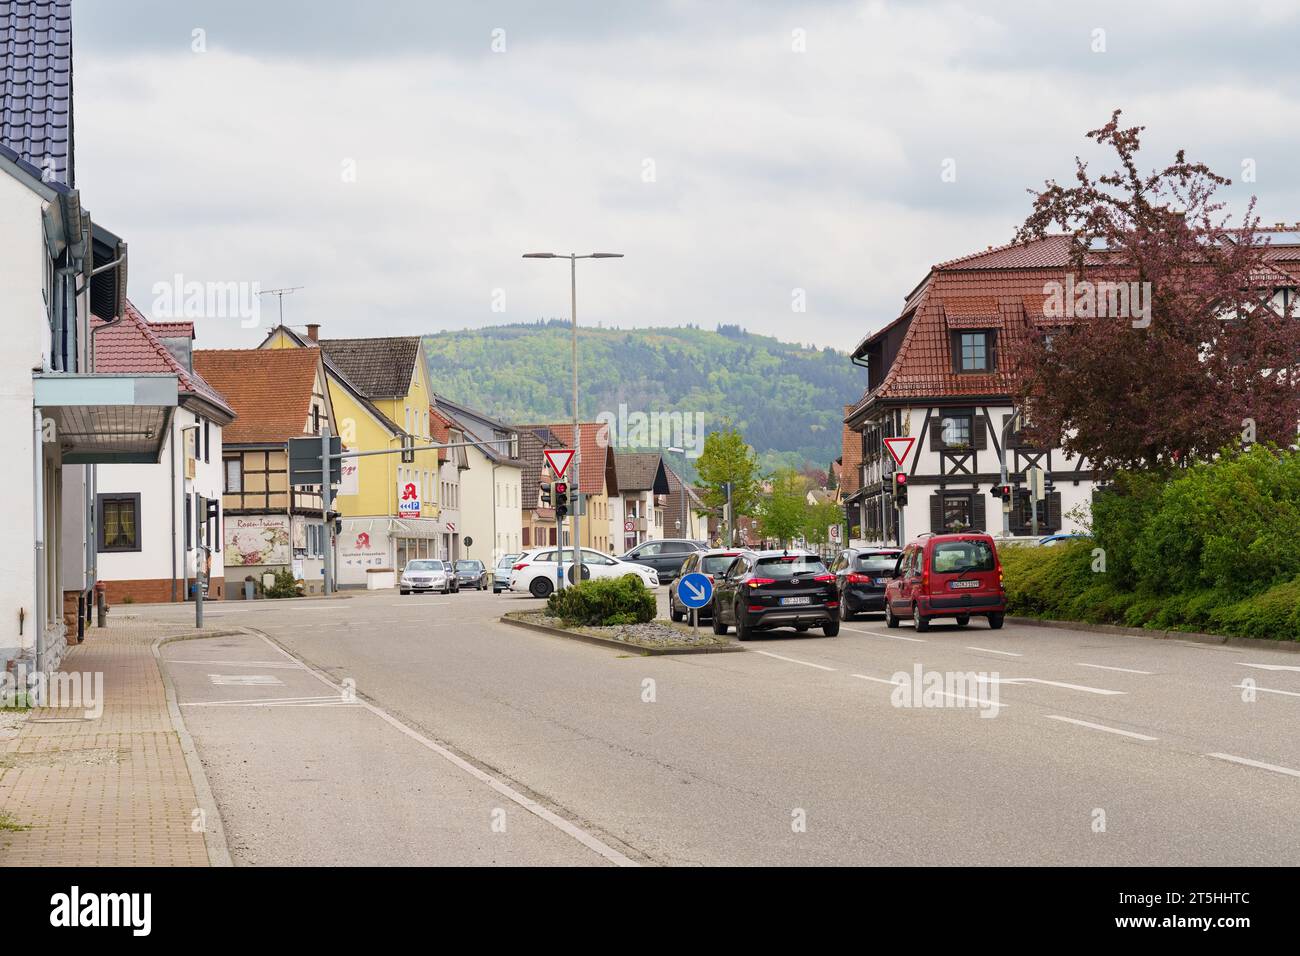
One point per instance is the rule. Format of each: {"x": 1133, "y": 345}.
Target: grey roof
{"x": 533, "y": 443}
{"x": 379, "y": 368}
{"x": 641, "y": 471}
{"x": 36, "y": 85}
{"x": 479, "y": 427}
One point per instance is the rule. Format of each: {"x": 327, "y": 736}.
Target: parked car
{"x": 1052, "y": 539}
{"x": 501, "y": 573}
{"x": 535, "y": 570}
{"x": 947, "y": 575}
{"x": 427, "y": 574}
{"x": 765, "y": 589}
{"x": 860, "y": 578}
{"x": 711, "y": 563}
{"x": 471, "y": 574}
{"x": 664, "y": 555}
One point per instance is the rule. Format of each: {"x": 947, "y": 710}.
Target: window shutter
{"x": 936, "y": 512}
{"x": 189, "y": 541}
{"x": 1054, "y": 511}
{"x": 978, "y": 513}
{"x": 979, "y": 435}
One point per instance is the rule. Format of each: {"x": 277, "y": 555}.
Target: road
{"x": 1103, "y": 749}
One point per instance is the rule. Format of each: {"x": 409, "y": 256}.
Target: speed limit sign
{"x": 835, "y": 534}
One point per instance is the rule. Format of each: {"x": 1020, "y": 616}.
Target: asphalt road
{"x": 1054, "y": 747}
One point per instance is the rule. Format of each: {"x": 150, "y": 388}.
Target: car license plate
{"x": 796, "y": 600}
{"x": 963, "y": 584}
{"x": 882, "y": 581}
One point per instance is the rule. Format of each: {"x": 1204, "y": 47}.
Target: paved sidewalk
{"x": 111, "y": 791}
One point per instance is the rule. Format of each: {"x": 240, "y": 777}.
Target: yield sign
{"x": 558, "y": 459}
{"x": 899, "y": 449}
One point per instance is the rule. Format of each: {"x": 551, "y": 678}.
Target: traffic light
{"x": 900, "y": 489}
{"x": 408, "y": 449}
{"x": 1001, "y": 491}
{"x": 546, "y": 493}
{"x": 561, "y": 499}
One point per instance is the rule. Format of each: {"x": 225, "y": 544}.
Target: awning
{"x": 415, "y": 527}
{"x": 107, "y": 419}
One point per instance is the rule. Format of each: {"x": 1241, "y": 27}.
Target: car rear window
{"x": 717, "y": 563}
{"x": 783, "y": 568}
{"x": 876, "y": 562}
{"x": 954, "y": 557}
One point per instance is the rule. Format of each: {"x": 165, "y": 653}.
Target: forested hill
{"x": 787, "y": 399}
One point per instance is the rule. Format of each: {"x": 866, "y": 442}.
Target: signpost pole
{"x": 328, "y": 582}
{"x": 200, "y": 569}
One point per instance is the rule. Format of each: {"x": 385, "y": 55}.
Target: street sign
{"x": 835, "y": 534}
{"x": 304, "y": 461}
{"x": 695, "y": 590}
{"x": 629, "y": 525}
{"x": 899, "y": 448}
{"x": 558, "y": 459}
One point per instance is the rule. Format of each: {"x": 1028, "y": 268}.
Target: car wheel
{"x": 718, "y": 626}
{"x": 920, "y": 623}
{"x": 845, "y": 613}
{"x": 890, "y": 620}
{"x": 831, "y": 628}
{"x": 742, "y": 629}
{"x": 995, "y": 621}
{"x": 963, "y": 620}
{"x": 673, "y": 613}
{"x": 540, "y": 587}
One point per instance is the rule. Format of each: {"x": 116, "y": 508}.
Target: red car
{"x": 947, "y": 575}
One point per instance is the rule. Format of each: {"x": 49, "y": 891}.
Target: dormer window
{"x": 973, "y": 351}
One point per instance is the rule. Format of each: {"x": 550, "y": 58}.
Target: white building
{"x": 152, "y": 518}
{"x": 489, "y": 489}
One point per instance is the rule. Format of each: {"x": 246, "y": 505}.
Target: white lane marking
{"x": 1256, "y": 763}
{"x": 989, "y": 650}
{"x": 821, "y": 667}
{"x": 258, "y": 700}
{"x": 532, "y": 806}
{"x": 1057, "y": 683}
{"x": 991, "y": 704}
{"x": 1266, "y": 690}
{"x": 276, "y": 665}
{"x": 1270, "y": 667}
{"x": 1109, "y": 730}
{"x": 245, "y": 680}
{"x": 415, "y": 604}
{"x": 1104, "y": 667}
{"x": 892, "y": 637}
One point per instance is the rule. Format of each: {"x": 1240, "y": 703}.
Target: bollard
{"x": 101, "y": 606}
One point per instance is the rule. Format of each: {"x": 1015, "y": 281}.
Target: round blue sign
{"x": 695, "y": 590}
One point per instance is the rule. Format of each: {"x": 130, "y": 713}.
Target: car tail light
{"x": 757, "y": 582}
{"x": 832, "y": 603}
{"x": 999, "y": 575}
{"x": 519, "y": 567}
{"x": 756, "y": 607}
{"x": 824, "y": 577}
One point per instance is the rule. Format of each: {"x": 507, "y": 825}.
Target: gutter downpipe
{"x": 38, "y": 547}
{"x": 171, "y": 440}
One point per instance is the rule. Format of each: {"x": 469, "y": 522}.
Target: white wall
{"x": 509, "y": 516}
{"x": 22, "y": 284}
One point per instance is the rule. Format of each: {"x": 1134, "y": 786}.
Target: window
{"x": 959, "y": 556}
{"x": 207, "y": 440}
{"x": 315, "y": 419}
{"x": 119, "y": 522}
{"x": 956, "y": 430}
{"x": 234, "y": 476}
{"x": 972, "y": 351}
{"x": 956, "y": 512}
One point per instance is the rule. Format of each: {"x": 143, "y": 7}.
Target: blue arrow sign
{"x": 695, "y": 590}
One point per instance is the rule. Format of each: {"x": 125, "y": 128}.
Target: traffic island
{"x": 648, "y": 639}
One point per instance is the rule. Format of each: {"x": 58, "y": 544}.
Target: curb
{"x": 622, "y": 645}
{"x": 214, "y": 831}
{"x": 1261, "y": 643}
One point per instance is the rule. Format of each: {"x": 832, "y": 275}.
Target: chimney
{"x": 313, "y": 331}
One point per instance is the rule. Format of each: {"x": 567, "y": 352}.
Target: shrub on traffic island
{"x": 606, "y": 602}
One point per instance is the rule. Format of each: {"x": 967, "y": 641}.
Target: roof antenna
{"x": 280, "y": 294}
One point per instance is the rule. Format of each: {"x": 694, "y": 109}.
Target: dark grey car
{"x": 664, "y": 555}
{"x": 471, "y": 574}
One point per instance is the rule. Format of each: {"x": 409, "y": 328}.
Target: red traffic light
{"x": 900, "y": 478}
{"x": 561, "y": 487}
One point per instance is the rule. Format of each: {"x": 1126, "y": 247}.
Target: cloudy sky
{"x": 396, "y": 158}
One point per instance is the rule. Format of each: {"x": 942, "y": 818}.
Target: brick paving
{"x": 111, "y": 791}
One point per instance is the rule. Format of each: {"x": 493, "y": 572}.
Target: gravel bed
{"x": 655, "y": 633}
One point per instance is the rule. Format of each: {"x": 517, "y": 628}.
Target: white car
{"x": 535, "y": 572}
{"x": 426, "y": 575}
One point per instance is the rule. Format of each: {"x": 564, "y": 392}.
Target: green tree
{"x": 783, "y": 514}
{"x": 820, "y": 518}
{"x": 726, "y": 458}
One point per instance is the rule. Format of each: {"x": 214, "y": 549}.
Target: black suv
{"x": 665, "y": 555}
{"x": 764, "y": 589}
{"x": 860, "y": 578}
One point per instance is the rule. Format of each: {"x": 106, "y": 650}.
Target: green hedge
{"x": 604, "y": 602}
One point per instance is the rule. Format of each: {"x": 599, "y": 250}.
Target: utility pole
{"x": 327, "y": 586}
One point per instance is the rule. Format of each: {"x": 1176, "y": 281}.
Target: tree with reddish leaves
{"x": 1168, "y": 339}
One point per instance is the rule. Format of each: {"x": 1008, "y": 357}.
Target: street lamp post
{"x": 686, "y": 524}
{"x": 576, "y": 463}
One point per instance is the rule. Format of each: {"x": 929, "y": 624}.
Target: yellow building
{"x": 393, "y": 510}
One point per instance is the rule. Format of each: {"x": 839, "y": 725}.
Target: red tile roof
{"x": 133, "y": 346}
{"x": 597, "y": 461}
{"x": 270, "y": 389}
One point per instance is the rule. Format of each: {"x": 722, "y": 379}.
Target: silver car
{"x": 427, "y": 574}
